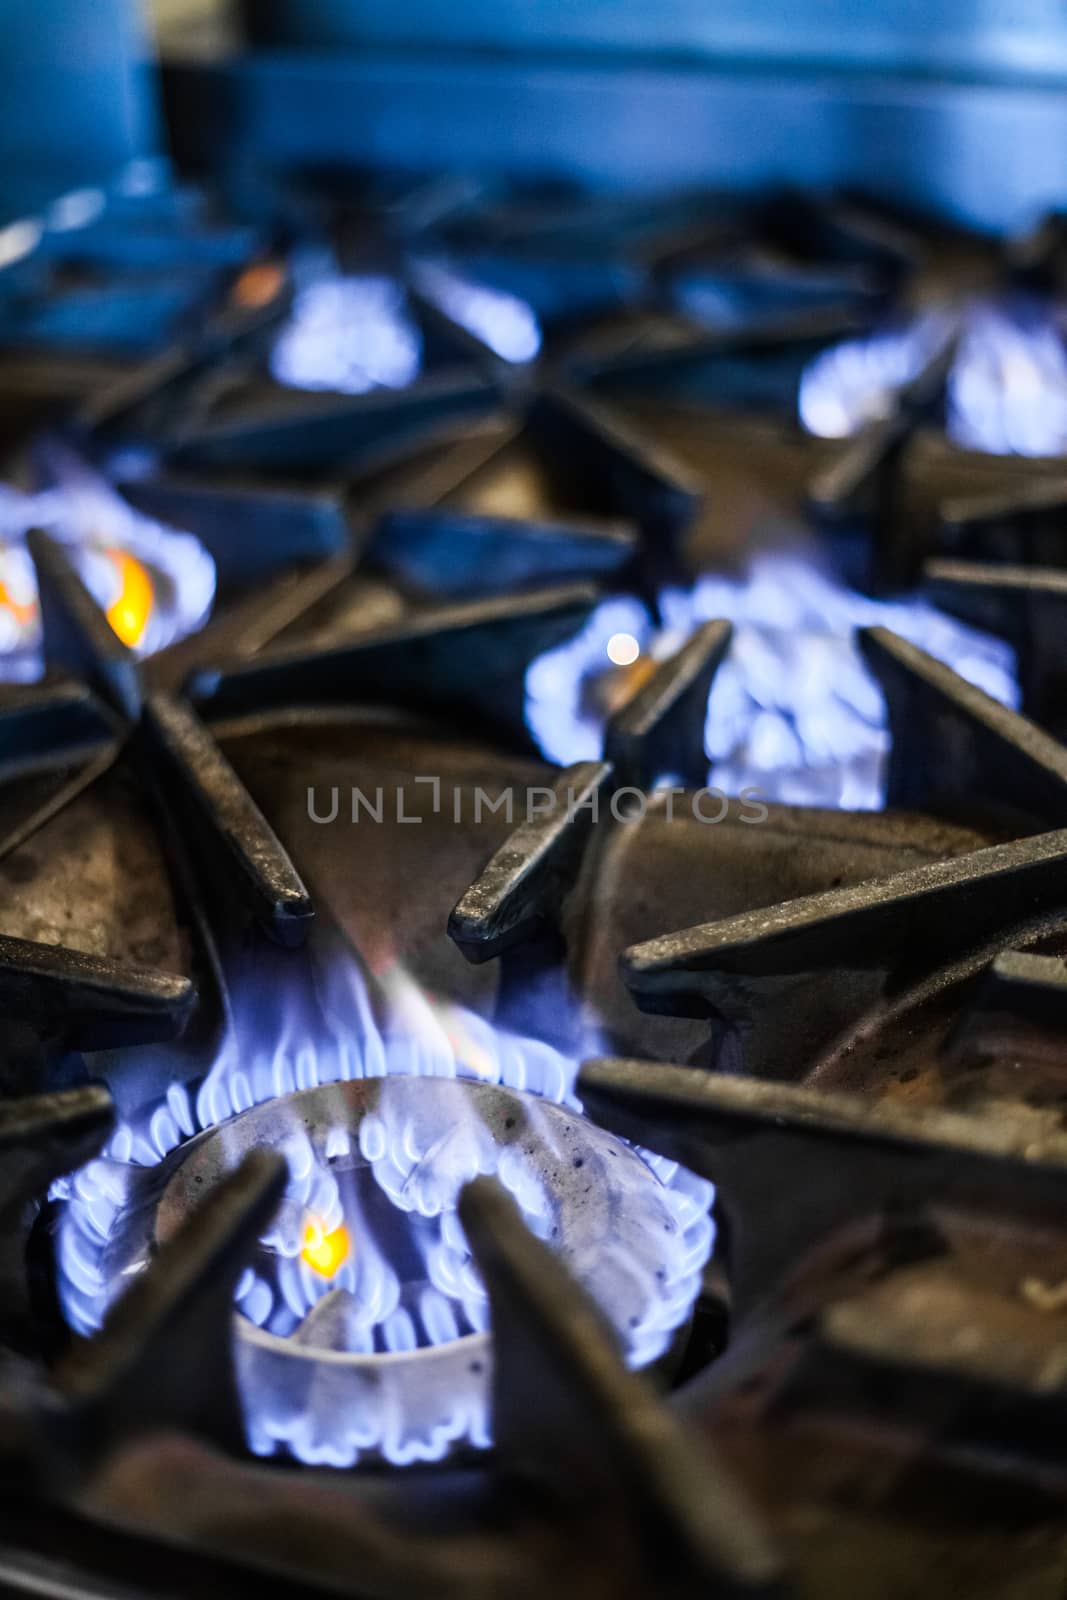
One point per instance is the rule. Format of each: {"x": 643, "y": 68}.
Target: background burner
{"x": 155, "y": 583}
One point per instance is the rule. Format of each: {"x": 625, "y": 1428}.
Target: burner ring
{"x": 401, "y": 1148}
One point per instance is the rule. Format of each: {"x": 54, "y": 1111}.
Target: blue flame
{"x": 83, "y": 512}
{"x": 1006, "y": 391}
{"x": 793, "y": 711}
{"x": 77, "y": 209}
{"x": 500, "y": 320}
{"x": 348, "y": 335}
{"x": 560, "y": 712}
{"x": 315, "y": 1354}
{"x": 856, "y": 382}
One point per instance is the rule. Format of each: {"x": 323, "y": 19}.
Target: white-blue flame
{"x": 560, "y": 712}
{"x": 304, "y": 1332}
{"x": 793, "y": 711}
{"x": 500, "y": 320}
{"x": 856, "y": 382}
{"x": 348, "y": 335}
{"x": 84, "y": 513}
{"x": 1006, "y": 391}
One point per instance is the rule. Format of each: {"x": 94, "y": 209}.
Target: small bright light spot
{"x": 258, "y": 285}
{"x": 76, "y": 210}
{"x": 18, "y": 240}
{"x": 141, "y": 177}
{"x": 324, "y": 1252}
{"x": 623, "y": 649}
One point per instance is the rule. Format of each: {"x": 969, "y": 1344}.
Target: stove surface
{"x": 533, "y": 836}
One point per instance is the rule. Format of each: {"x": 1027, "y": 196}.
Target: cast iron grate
{"x": 889, "y": 1159}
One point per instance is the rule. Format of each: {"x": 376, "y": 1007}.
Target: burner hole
{"x": 579, "y": 1161}
{"x": 509, "y": 1122}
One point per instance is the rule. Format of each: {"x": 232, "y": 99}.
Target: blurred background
{"x": 957, "y": 106}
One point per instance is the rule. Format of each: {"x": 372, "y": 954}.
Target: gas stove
{"x": 533, "y": 944}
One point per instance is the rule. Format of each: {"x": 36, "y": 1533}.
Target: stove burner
{"x": 852, "y": 384}
{"x": 793, "y": 711}
{"x": 391, "y": 1354}
{"x": 563, "y": 718}
{"x": 1006, "y": 390}
{"x": 155, "y": 583}
{"x": 894, "y": 1328}
{"x": 366, "y": 1260}
{"x": 348, "y": 336}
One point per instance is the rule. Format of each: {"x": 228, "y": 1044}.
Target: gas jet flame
{"x": 366, "y": 1256}
{"x": 793, "y": 712}
{"x": 1007, "y": 387}
{"x": 155, "y": 583}
{"x": 500, "y": 320}
{"x": 352, "y": 334}
{"x": 348, "y": 336}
